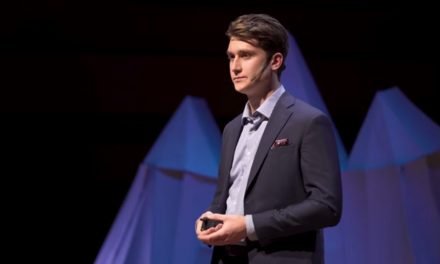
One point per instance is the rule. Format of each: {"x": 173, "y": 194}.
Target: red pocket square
{"x": 280, "y": 142}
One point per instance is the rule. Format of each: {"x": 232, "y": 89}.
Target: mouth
{"x": 237, "y": 79}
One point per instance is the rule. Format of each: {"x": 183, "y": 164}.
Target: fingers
{"x": 217, "y": 217}
{"x": 208, "y": 235}
{"x": 198, "y": 224}
{"x": 211, "y": 230}
{"x": 206, "y": 214}
{"x": 213, "y": 236}
{"x": 231, "y": 230}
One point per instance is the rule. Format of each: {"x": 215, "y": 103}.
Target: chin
{"x": 241, "y": 88}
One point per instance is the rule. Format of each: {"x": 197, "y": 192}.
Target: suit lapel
{"x": 278, "y": 119}
{"x": 236, "y": 128}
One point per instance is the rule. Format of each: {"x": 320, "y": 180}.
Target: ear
{"x": 277, "y": 61}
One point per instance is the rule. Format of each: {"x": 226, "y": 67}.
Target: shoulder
{"x": 303, "y": 110}
{"x": 233, "y": 123}
{"x": 312, "y": 118}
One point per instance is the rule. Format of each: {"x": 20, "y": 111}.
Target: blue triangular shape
{"x": 189, "y": 142}
{"x": 394, "y": 132}
{"x": 299, "y": 81}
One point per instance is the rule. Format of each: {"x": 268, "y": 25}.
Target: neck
{"x": 257, "y": 99}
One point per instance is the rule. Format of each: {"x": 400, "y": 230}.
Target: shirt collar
{"x": 266, "y": 108}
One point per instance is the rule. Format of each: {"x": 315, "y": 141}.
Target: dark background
{"x": 86, "y": 88}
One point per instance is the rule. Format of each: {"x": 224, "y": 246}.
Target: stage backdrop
{"x": 392, "y": 186}
{"x": 173, "y": 186}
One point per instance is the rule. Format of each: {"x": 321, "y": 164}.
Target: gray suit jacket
{"x": 293, "y": 190}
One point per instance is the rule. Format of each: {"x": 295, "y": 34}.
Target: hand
{"x": 232, "y": 230}
{"x": 199, "y": 222}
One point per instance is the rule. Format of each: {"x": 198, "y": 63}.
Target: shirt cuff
{"x": 250, "y": 228}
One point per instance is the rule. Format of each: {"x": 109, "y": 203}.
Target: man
{"x": 279, "y": 178}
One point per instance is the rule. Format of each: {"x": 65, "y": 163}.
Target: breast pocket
{"x": 283, "y": 152}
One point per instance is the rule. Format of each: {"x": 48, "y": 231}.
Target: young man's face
{"x": 248, "y": 66}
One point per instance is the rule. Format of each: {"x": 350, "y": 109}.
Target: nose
{"x": 235, "y": 66}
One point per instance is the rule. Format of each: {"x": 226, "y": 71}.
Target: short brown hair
{"x": 270, "y": 35}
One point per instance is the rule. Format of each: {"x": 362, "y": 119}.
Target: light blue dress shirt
{"x": 253, "y": 129}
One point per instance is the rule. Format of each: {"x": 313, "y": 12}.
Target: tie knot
{"x": 255, "y": 120}
{"x": 247, "y": 120}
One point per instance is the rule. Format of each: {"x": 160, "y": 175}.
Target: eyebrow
{"x": 241, "y": 52}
